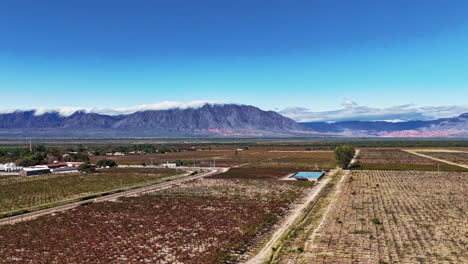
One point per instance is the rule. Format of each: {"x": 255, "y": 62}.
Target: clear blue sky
{"x": 272, "y": 54}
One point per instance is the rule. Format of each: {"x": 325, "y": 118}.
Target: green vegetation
{"x": 106, "y": 163}
{"x": 23, "y": 193}
{"x": 87, "y": 168}
{"x": 344, "y": 154}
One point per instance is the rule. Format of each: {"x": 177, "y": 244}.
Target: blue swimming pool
{"x": 308, "y": 175}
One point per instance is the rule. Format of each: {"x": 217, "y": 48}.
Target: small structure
{"x": 168, "y": 165}
{"x": 64, "y": 170}
{"x": 31, "y": 171}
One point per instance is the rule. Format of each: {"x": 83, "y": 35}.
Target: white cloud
{"x": 353, "y": 111}
{"x": 69, "y": 110}
{"x": 348, "y": 103}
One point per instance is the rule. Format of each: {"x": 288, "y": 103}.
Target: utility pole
{"x": 30, "y": 145}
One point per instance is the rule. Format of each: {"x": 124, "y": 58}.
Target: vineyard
{"x": 256, "y": 156}
{"x": 396, "y": 217}
{"x": 297, "y": 160}
{"x": 25, "y": 192}
{"x": 253, "y": 173}
{"x": 395, "y": 159}
{"x": 457, "y": 157}
{"x": 203, "y": 221}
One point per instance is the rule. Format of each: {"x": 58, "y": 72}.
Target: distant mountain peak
{"x": 208, "y": 119}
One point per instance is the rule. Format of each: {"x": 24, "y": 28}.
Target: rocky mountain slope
{"x": 217, "y": 119}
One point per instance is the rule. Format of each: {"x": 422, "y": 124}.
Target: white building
{"x": 10, "y": 167}
{"x": 169, "y": 165}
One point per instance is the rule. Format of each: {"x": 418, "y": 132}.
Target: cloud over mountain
{"x": 69, "y": 110}
{"x": 353, "y": 111}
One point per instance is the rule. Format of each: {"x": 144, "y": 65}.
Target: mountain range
{"x": 211, "y": 120}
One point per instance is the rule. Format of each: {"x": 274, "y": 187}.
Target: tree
{"x": 86, "y": 167}
{"x": 344, "y": 154}
{"x": 106, "y": 163}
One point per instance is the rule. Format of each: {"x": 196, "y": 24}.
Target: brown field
{"x": 254, "y": 173}
{"x": 396, "y": 217}
{"x": 204, "y": 221}
{"x": 257, "y": 157}
{"x": 395, "y": 159}
{"x": 457, "y": 157}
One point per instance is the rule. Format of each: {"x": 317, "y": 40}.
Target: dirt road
{"x": 296, "y": 212}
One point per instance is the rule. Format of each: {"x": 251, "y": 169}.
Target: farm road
{"x": 296, "y": 212}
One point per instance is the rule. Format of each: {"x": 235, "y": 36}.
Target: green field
{"x": 26, "y": 193}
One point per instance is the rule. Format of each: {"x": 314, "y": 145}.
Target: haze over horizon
{"x": 308, "y": 60}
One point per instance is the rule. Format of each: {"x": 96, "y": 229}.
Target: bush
{"x": 376, "y": 221}
{"x": 86, "y": 167}
{"x": 106, "y": 163}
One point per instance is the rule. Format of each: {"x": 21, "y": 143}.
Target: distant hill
{"x": 211, "y": 120}
{"x": 445, "y": 127}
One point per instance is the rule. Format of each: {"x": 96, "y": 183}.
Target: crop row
{"x": 21, "y": 192}
{"x": 396, "y": 217}
{"x": 457, "y": 157}
{"x": 395, "y": 159}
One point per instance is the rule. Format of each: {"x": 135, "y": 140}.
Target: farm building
{"x": 10, "y": 167}
{"x": 35, "y": 171}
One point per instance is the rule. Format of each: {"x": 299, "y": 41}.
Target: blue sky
{"x": 272, "y": 54}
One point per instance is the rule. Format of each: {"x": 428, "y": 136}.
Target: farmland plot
{"x": 297, "y": 160}
{"x": 456, "y": 157}
{"x": 203, "y": 221}
{"x": 396, "y": 217}
{"x": 25, "y": 192}
{"x": 395, "y": 159}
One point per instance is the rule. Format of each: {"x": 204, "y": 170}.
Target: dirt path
{"x": 296, "y": 212}
{"x": 436, "y": 159}
{"x": 310, "y": 243}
